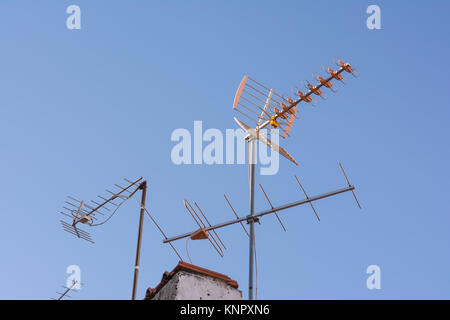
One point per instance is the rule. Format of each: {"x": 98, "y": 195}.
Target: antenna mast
{"x": 143, "y": 187}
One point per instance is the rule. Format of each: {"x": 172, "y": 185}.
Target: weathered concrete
{"x": 189, "y": 286}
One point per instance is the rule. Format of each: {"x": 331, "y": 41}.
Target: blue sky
{"x": 82, "y": 109}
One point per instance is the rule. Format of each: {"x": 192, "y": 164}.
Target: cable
{"x": 117, "y": 208}
{"x": 163, "y": 234}
{"x": 256, "y": 269}
{"x": 187, "y": 250}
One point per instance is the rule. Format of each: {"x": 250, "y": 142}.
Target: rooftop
{"x": 192, "y": 269}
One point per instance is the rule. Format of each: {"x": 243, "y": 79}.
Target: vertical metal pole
{"x": 251, "y": 168}
{"x": 143, "y": 187}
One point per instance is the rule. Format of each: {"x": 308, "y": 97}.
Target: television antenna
{"x": 264, "y": 107}
{"x": 100, "y": 211}
{"x": 67, "y": 290}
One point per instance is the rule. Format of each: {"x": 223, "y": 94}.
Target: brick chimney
{"x": 190, "y": 282}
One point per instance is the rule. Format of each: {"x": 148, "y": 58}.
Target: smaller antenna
{"x": 72, "y": 229}
{"x": 78, "y": 211}
{"x": 298, "y": 181}
{"x": 67, "y": 290}
{"x": 81, "y": 212}
{"x": 348, "y": 182}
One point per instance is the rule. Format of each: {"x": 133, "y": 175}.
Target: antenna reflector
{"x": 76, "y": 231}
{"x": 293, "y": 112}
{"x": 239, "y": 92}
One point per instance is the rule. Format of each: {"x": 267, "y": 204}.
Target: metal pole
{"x": 251, "y": 168}
{"x": 143, "y": 187}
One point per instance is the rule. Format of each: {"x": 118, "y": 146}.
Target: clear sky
{"x": 82, "y": 109}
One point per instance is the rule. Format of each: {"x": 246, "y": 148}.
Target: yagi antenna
{"x": 206, "y": 231}
{"x": 264, "y": 107}
{"x": 98, "y": 212}
{"x": 81, "y": 212}
{"x": 64, "y": 294}
{"x": 256, "y": 216}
